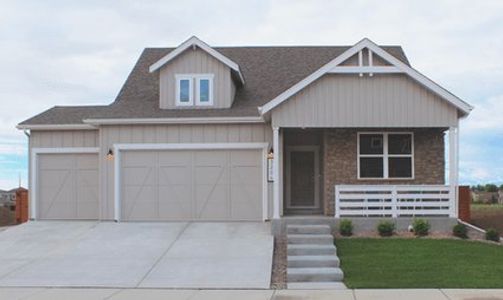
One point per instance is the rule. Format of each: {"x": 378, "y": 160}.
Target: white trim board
{"x": 188, "y": 146}
{"x": 56, "y": 127}
{"x": 34, "y": 169}
{"x": 332, "y": 66}
{"x": 191, "y": 42}
{"x": 202, "y": 120}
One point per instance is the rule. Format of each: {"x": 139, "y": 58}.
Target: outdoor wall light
{"x": 110, "y": 154}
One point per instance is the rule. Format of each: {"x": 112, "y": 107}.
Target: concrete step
{"x": 316, "y": 286}
{"x": 318, "y": 239}
{"x": 306, "y": 229}
{"x": 299, "y": 249}
{"x": 314, "y": 274}
{"x": 312, "y": 261}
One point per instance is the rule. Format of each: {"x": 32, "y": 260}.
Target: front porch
{"x": 365, "y": 173}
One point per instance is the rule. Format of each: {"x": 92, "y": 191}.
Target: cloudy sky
{"x": 80, "y": 52}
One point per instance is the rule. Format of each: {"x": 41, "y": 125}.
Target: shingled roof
{"x": 268, "y": 71}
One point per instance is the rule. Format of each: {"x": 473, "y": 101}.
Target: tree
{"x": 491, "y": 188}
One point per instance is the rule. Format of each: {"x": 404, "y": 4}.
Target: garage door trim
{"x": 192, "y": 146}
{"x": 34, "y": 169}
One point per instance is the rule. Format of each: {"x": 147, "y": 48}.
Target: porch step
{"x": 314, "y": 274}
{"x": 308, "y": 229}
{"x": 316, "y": 286}
{"x": 300, "y": 249}
{"x": 310, "y": 261}
{"x": 319, "y": 239}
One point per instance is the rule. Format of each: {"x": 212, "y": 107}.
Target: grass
{"x": 487, "y": 216}
{"x": 420, "y": 263}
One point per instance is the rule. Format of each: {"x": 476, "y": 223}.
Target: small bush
{"x": 460, "y": 230}
{"x": 386, "y": 228}
{"x": 492, "y": 235}
{"x": 346, "y": 227}
{"x": 421, "y": 227}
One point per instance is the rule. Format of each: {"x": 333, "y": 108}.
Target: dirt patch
{"x": 7, "y": 217}
{"x": 488, "y": 217}
{"x": 279, "y": 264}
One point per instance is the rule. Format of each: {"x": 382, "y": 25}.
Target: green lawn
{"x": 420, "y": 263}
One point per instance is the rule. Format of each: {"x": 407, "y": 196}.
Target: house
{"x": 8, "y": 198}
{"x": 253, "y": 133}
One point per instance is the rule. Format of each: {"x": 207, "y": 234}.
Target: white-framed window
{"x": 184, "y": 90}
{"x": 385, "y": 155}
{"x": 204, "y": 90}
{"x": 194, "y": 89}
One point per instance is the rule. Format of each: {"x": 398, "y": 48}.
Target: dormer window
{"x": 194, "y": 89}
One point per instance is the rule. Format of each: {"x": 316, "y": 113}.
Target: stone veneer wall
{"x": 340, "y": 160}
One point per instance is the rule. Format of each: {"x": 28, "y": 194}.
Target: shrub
{"x": 460, "y": 230}
{"x": 421, "y": 227}
{"x": 492, "y": 235}
{"x": 386, "y": 228}
{"x": 346, "y": 227}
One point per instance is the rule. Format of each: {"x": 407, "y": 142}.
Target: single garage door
{"x": 67, "y": 186}
{"x": 191, "y": 185}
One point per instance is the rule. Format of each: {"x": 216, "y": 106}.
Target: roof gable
{"x": 195, "y": 42}
{"x": 397, "y": 66}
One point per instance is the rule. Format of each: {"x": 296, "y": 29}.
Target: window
{"x": 204, "y": 90}
{"x": 203, "y": 84}
{"x": 184, "y": 89}
{"x": 385, "y": 156}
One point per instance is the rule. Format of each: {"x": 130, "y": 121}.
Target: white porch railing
{"x": 394, "y": 200}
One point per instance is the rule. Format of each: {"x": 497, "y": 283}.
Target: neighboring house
{"x": 487, "y": 197}
{"x": 190, "y": 133}
{"x": 8, "y": 198}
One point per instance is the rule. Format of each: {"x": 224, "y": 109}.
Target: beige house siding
{"x": 196, "y": 62}
{"x": 224, "y": 133}
{"x": 384, "y": 100}
{"x": 63, "y": 138}
{"x": 340, "y": 160}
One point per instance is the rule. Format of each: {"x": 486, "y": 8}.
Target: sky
{"x": 80, "y": 52}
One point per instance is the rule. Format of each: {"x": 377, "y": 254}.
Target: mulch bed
{"x": 279, "y": 264}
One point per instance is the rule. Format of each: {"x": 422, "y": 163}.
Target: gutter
{"x": 56, "y": 127}
{"x": 217, "y": 120}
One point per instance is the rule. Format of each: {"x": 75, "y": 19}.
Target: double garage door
{"x": 191, "y": 185}
{"x": 67, "y": 186}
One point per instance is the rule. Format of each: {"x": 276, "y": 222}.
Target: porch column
{"x": 453, "y": 168}
{"x": 275, "y": 171}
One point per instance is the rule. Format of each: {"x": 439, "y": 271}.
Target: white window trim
{"x": 385, "y": 155}
{"x": 179, "y": 78}
{"x": 194, "y": 89}
{"x": 198, "y": 79}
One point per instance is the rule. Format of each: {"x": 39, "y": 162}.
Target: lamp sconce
{"x": 110, "y": 154}
{"x": 270, "y": 158}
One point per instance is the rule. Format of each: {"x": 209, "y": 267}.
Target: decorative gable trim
{"x": 397, "y": 67}
{"x": 195, "y": 42}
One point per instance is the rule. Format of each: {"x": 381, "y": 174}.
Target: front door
{"x": 302, "y": 178}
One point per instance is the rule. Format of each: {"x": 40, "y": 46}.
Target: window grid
{"x": 385, "y": 155}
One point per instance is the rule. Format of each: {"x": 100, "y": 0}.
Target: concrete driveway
{"x": 125, "y": 255}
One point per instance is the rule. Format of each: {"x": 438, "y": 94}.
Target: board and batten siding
{"x": 196, "y": 62}
{"x": 196, "y": 133}
{"x": 63, "y": 138}
{"x": 384, "y": 100}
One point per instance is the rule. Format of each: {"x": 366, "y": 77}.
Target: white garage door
{"x": 67, "y": 186}
{"x": 191, "y": 185}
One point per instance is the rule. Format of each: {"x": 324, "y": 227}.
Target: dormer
{"x": 196, "y": 76}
